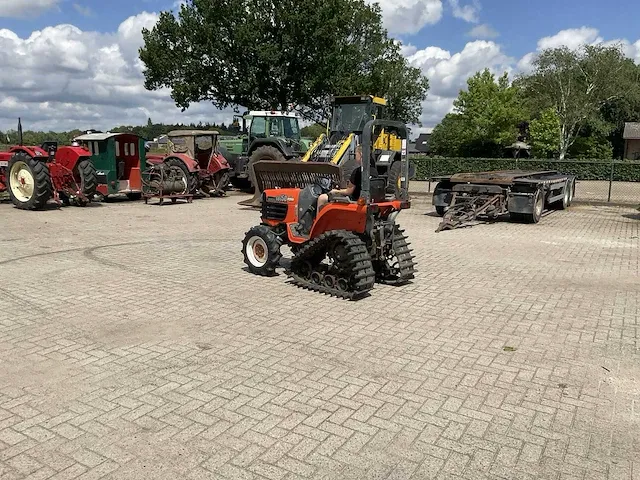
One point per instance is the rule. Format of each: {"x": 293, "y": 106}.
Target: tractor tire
{"x": 394, "y": 179}
{"x": 88, "y": 178}
{"x": 29, "y": 182}
{"x": 264, "y": 153}
{"x": 440, "y": 210}
{"x": 261, "y": 250}
{"x": 242, "y": 184}
{"x": 192, "y": 178}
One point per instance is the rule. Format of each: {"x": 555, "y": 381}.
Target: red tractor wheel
{"x": 29, "y": 182}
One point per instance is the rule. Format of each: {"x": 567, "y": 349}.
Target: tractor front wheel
{"x": 261, "y": 250}
{"x": 29, "y": 182}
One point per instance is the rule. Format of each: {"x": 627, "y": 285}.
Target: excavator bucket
{"x": 270, "y": 174}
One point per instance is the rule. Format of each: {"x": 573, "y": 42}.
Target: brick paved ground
{"x": 134, "y": 345}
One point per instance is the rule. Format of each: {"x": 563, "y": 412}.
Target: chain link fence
{"x": 598, "y": 181}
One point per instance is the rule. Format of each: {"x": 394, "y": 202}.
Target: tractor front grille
{"x": 274, "y": 211}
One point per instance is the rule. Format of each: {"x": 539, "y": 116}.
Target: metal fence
{"x": 598, "y": 181}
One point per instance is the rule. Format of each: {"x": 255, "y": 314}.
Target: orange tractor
{"x": 346, "y": 247}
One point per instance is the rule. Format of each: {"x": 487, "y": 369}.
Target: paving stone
{"x": 147, "y": 351}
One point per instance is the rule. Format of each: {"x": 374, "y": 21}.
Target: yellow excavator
{"x": 349, "y": 115}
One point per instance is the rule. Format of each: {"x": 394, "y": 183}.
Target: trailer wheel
{"x": 538, "y": 206}
{"x": 440, "y": 210}
{"x": 572, "y": 191}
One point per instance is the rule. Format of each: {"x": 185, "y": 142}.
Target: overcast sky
{"x": 73, "y": 63}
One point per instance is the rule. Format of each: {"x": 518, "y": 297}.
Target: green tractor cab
{"x": 119, "y": 159}
{"x": 267, "y": 135}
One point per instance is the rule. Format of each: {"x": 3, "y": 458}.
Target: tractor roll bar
{"x": 366, "y": 155}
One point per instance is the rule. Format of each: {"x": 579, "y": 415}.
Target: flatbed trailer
{"x": 466, "y": 197}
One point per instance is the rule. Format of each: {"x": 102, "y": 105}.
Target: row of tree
{"x": 574, "y": 103}
{"x": 149, "y": 131}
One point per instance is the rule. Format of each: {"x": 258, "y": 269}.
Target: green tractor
{"x": 265, "y": 135}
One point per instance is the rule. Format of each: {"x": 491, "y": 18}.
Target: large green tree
{"x": 274, "y": 53}
{"x": 485, "y": 118}
{"x": 577, "y": 85}
{"x": 544, "y": 132}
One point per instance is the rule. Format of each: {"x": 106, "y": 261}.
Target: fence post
{"x": 610, "y": 181}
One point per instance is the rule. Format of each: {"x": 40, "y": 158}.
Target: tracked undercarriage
{"x": 336, "y": 263}
{"x": 339, "y": 263}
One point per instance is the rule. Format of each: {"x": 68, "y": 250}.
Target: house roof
{"x": 631, "y": 131}
{"x": 422, "y": 142}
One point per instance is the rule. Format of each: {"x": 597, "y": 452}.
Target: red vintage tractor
{"x": 359, "y": 238}
{"x": 32, "y": 175}
{"x": 196, "y": 153}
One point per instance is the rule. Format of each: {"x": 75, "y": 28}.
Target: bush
{"x": 624, "y": 171}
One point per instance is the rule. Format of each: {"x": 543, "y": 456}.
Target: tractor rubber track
{"x": 349, "y": 278}
{"x": 404, "y": 270}
{"x": 406, "y": 267}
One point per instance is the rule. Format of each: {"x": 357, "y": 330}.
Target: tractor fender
{"x": 69, "y": 157}
{"x": 189, "y": 162}
{"x": 217, "y": 163}
{"x": 33, "y": 152}
{"x": 155, "y": 159}
{"x": 272, "y": 142}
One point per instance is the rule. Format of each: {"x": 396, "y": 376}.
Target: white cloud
{"x": 483, "y": 31}
{"x": 572, "y": 38}
{"x": 25, "y": 8}
{"x": 448, "y": 73}
{"x": 93, "y": 80}
{"x": 409, "y": 16}
{"x": 468, "y": 13}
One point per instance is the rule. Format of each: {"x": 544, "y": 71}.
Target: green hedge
{"x": 623, "y": 171}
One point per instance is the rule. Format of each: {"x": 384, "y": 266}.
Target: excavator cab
{"x": 359, "y": 239}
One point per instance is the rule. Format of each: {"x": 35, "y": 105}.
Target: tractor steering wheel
{"x": 325, "y": 184}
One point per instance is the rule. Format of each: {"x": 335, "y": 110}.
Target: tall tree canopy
{"x": 273, "y": 53}
{"x": 485, "y": 119}
{"x": 577, "y": 85}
